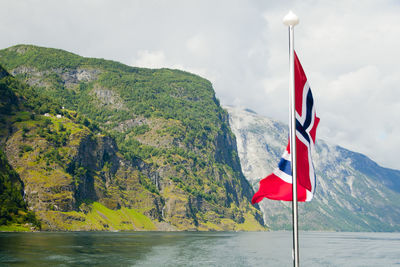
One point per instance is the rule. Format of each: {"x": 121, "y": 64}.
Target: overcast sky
{"x": 350, "y": 51}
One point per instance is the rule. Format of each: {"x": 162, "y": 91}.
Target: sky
{"x": 349, "y": 51}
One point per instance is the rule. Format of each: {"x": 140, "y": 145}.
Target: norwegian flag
{"x": 278, "y": 185}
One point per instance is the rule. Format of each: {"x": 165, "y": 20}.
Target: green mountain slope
{"x": 14, "y": 215}
{"x": 13, "y": 210}
{"x": 63, "y": 166}
{"x": 151, "y": 146}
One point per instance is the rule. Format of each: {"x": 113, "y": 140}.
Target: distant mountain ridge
{"x": 353, "y": 193}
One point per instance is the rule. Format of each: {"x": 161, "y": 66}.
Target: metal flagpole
{"x": 291, "y": 20}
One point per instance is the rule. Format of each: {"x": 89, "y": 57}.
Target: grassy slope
{"x": 98, "y": 217}
{"x": 14, "y": 215}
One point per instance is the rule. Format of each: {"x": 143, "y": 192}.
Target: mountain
{"x": 13, "y": 209}
{"x": 14, "y": 214}
{"x": 99, "y": 145}
{"x": 353, "y": 193}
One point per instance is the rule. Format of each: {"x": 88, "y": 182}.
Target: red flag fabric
{"x": 278, "y": 185}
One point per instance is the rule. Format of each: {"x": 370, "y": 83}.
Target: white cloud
{"x": 349, "y": 57}
{"x": 147, "y": 59}
{"x": 349, "y": 52}
{"x": 197, "y": 45}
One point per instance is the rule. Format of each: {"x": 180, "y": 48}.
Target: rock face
{"x": 69, "y": 78}
{"x": 107, "y": 97}
{"x": 353, "y": 193}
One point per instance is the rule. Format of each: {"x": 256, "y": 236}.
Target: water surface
{"x": 197, "y": 249}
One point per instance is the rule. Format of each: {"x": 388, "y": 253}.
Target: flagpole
{"x": 291, "y": 20}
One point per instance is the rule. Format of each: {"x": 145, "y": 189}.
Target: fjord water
{"x": 197, "y": 249}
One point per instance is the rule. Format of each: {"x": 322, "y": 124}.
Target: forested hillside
{"x": 101, "y": 145}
